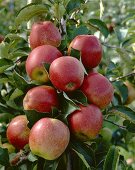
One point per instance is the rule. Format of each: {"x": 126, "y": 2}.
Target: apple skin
{"x": 49, "y": 138}
{"x": 98, "y": 89}
{"x": 38, "y": 56}
{"x": 66, "y": 73}
{"x": 90, "y": 49}
{"x": 18, "y": 132}
{"x": 41, "y": 98}
{"x": 86, "y": 123}
{"x": 44, "y": 33}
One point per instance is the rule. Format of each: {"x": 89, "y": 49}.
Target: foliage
{"x": 112, "y": 22}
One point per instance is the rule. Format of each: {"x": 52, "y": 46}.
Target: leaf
{"x": 72, "y": 5}
{"x": 15, "y": 94}
{"x": 32, "y": 158}
{"x": 4, "y": 64}
{"x": 112, "y": 159}
{"x": 30, "y": 11}
{"x": 83, "y": 153}
{"x": 4, "y": 49}
{"x": 34, "y": 116}
{"x": 129, "y": 126}
{"x": 20, "y": 82}
{"x": 122, "y": 89}
{"x": 124, "y": 112}
{"x": 5, "y": 117}
{"x": 121, "y": 33}
{"x": 79, "y": 97}
{"x": 100, "y": 25}
{"x": 4, "y": 157}
{"x": 67, "y": 105}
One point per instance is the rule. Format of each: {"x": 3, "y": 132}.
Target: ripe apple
{"x": 131, "y": 92}
{"x": 86, "y": 123}
{"x": 10, "y": 147}
{"x": 97, "y": 89}
{"x": 66, "y": 73}
{"x": 90, "y": 49}
{"x": 18, "y": 131}
{"x": 44, "y": 33}
{"x": 41, "y": 98}
{"x": 36, "y": 60}
{"x": 49, "y": 138}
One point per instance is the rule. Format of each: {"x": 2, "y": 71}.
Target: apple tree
{"x": 67, "y": 95}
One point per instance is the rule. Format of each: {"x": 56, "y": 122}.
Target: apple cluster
{"x": 49, "y": 137}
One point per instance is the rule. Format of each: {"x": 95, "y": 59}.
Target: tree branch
{"x": 121, "y": 77}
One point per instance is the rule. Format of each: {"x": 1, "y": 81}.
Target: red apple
{"x": 18, "y": 132}
{"x": 66, "y": 73}
{"x": 86, "y": 123}
{"x": 36, "y": 59}
{"x": 49, "y": 138}
{"x": 41, "y": 98}
{"x": 44, "y": 33}
{"x": 98, "y": 89}
{"x": 90, "y": 49}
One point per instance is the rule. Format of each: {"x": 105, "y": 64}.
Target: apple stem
{"x": 121, "y": 77}
{"x": 19, "y": 158}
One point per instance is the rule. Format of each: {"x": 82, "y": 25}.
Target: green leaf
{"x": 122, "y": 89}
{"x": 5, "y": 117}
{"x": 4, "y": 49}
{"x": 67, "y": 105}
{"x": 101, "y": 26}
{"x": 30, "y": 11}
{"x": 72, "y": 5}
{"x": 124, "y": 112}
{"x": 129, "y": 126}
{"x": 112, "y": 159}
{"x": 20, "y": 82}
{"x": 32, "y": 158}
{"x": 78, "y": 97}
{"x": 121, "y": 33}
{"x": 4, "y": 157}
{"x": 83, "y": 152}
{"x": 101, "y": 9}
{"x": 34, "y": 116}
{"x": 15, "y": 94}
{"x": 4, "y": 64}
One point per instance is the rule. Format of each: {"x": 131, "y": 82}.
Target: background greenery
{"x": 114, "y": 23}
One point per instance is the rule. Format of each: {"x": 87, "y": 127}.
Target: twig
{"x": 121, "y": 77}
{"x": 19, "y": 158}
{"x": 122, "y": 127}
{"x": 69, "y": 163}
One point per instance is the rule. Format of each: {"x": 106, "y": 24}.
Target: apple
{"x": 18, "y": 131}
{"x": 131, "y": 92}
{"x": 66, "y": 73}
{"x": 44, "y": 33}
{"x": 41, "y": 98}
{"x": 10, "y": 147}
{"x": 86, "y": 123}
{"x": 90, "y": 49}
{"x": 36, "y": 60}
{"x": 106, "y": 133}
{"x": 98, "y": 89}
{"x": 49, "y": 138}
